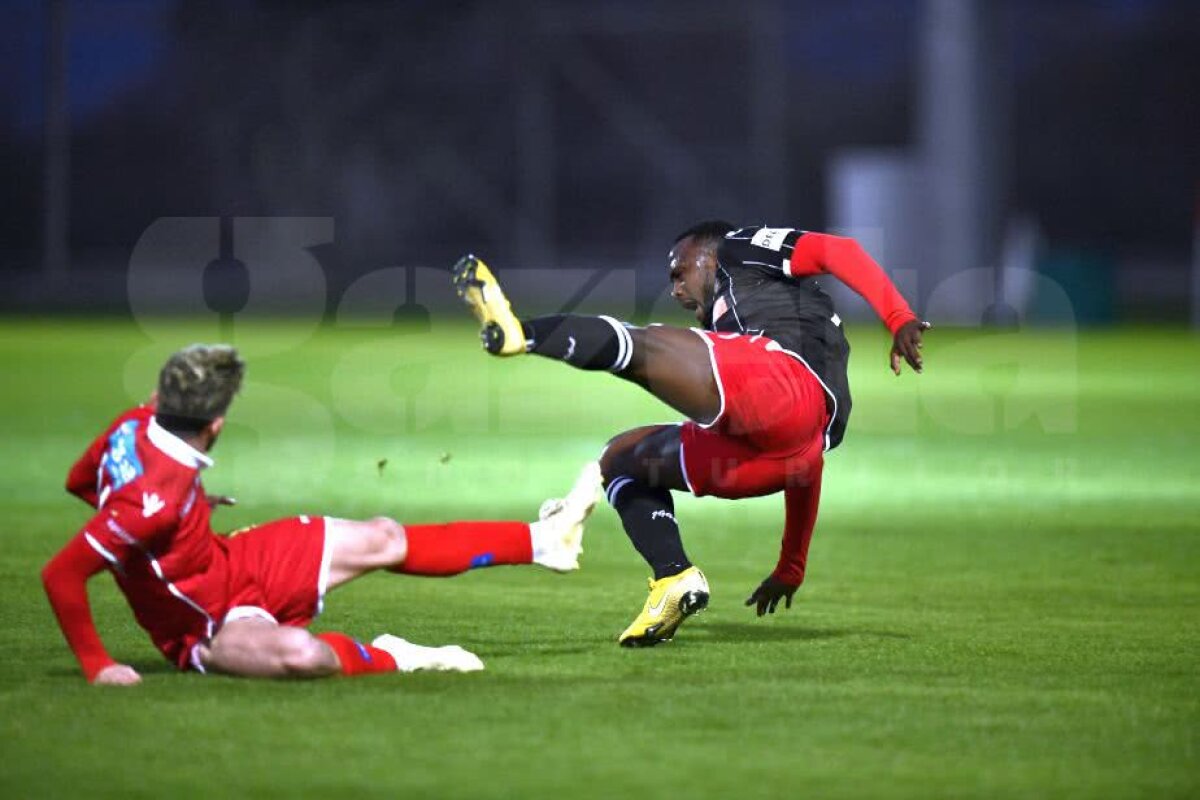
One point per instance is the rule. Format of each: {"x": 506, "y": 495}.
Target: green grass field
{"x": 1003, "y": 596}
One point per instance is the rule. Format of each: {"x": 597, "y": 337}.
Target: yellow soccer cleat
{"x": 672, "y": 600}
{"x": 477, "y": 286}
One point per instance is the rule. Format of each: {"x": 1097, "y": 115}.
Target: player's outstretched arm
{"x": 65, "y": 580}
{"x": 845, "y": 259}
{"x": 800, "y": 516}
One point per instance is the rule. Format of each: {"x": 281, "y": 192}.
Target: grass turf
{"x": 1003, "y": 600}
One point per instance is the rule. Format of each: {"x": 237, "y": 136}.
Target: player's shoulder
{"x": 131, "y": 418}
{"x": 126, "y": 424}
{"x": 759, "y": 247}
{"x": 766, "y": 237}
{"x": 142, "y": 456}
{"x": 123, "y": 456}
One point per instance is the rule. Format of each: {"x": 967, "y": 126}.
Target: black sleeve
{"x": 759, "y": 248}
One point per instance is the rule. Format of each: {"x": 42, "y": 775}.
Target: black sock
{"x": 649, "y": 519}
{"x": 583, "y": 342}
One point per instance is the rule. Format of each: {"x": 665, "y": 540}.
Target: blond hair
{"x": 197, "y": 384}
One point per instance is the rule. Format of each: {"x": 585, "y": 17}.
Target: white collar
{"x": 175, "y": 447}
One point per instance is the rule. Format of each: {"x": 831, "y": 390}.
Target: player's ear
{"x": 214, "y": 427}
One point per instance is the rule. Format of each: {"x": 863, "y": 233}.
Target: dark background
{"x": 581, "y": 134}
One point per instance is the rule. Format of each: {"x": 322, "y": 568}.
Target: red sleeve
{"x": 132, "y": 519}
{"x": 800, "y": 503}
{"x": 82, "y": 478}
{"x": 65, "y": 579}
{"x": 846, "y": 260}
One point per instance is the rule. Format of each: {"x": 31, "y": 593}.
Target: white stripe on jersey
{"x": 122, "y": 534}
{"x": 733, "y": 301}
{"x": 101, "y": 550}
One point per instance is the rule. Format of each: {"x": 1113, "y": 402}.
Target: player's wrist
{"x": 787, "y": 574}
{"x": 899, "y": 319}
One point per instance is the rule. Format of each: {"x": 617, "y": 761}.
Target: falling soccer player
{"x": 239, "y": 605}
{"x": 763, "y": 384}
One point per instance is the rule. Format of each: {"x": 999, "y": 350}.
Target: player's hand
{"x": 117, "y": 675}
{"x": 769, "y": 593}
{"x": 215, "y": 500}
{"x": 906, "y": 345}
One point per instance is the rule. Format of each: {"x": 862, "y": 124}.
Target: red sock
{"x": 357, "y": 658}
{"x": 459, "y": 546}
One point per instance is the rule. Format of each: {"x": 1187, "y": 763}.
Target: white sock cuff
{"x": 615, "y": 488}
{"x": 624, "y": 345}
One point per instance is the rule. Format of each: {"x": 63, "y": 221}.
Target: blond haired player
{"x": 240, "y": 605}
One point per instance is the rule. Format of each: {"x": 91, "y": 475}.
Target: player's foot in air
{"x": 672, "y": 600}
{"x": 502, "y": 334}
{"x": 558, "y": 534}
{"x": 413, "y": 657}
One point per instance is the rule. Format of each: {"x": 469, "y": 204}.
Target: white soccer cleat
{"x": 557, "y": 536}
{"x": 413, "y": 657}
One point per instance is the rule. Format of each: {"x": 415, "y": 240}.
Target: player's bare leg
{"x": 642, "y": 466}
{"x": 671, "y": 363}
{"x": 257, "y": 647}
{"x": 254, "y": 645}
{"x": 553, "y": 541}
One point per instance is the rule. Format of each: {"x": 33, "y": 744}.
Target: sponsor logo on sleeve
{"x": 770, "y": 238}
{"x": 121, "y": 460}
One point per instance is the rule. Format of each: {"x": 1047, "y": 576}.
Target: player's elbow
{"x": 50, "y": 577}
{"x": 845, "y": 246}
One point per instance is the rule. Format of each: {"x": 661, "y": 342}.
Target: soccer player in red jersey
{"x": 762, "y": 382}
{"x": 240, "y": 604}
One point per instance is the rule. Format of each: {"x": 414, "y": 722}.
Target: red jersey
{"x": 152, "y": 529}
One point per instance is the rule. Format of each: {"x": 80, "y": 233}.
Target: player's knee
{"x": 386, "y": 539}
{"x": 301, "y": 654}
{"x": 386, "y": 527}
{"x": 646, "y": 451}
{"x": 615, "y": 459}
{"x": 640, "y": 454}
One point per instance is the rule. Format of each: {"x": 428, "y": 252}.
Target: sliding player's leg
{"x": 280, "y": 572}
{"x": 255, "y": 646}
{"x": 258, "y": 647}
{"x": 673, "y": 364}
{"x": 554, "y": 541}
